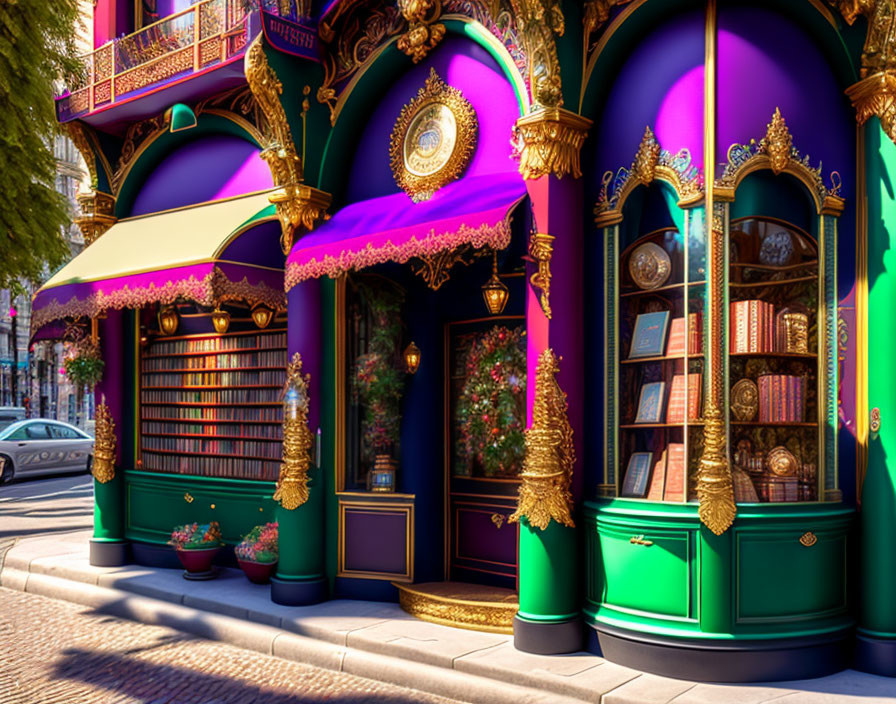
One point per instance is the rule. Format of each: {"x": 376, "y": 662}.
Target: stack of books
{"x": 675, "y": 412}
{"x": 782, "y": 398}
{"x": 752, "y": 326}
{"x": 676, "y": 345}
{"x": 675, "y": 468}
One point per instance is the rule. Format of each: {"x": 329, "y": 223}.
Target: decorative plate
{"x": 745, "y": 400}
{"x": 649, "y": 266}
{"x": 776, "y": 249}
{"x": 433, "y": 139}
{"x": 781, "y": 462}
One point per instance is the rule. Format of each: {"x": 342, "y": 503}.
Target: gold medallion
{"x": 433, "y": 139}
{"x": 649, "y": 266}
{"x": 744, "y": 400}
{"x": 781, "y": 462}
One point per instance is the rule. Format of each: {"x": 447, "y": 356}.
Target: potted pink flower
{"x": 258, "y": 553}
{"x": 196, "y": 545}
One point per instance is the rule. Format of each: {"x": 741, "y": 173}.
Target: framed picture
{"x": 649, "y": 338}
{"x": 650, "y": 405}
{"x": 637, "y": 474}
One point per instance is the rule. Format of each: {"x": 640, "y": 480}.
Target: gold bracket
{"x": 550, "y": 141}
{"x": 541, "y": 248}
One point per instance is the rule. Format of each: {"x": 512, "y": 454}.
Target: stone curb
{"x": 265, "y": 639}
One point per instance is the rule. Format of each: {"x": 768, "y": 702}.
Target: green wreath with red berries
{"x": 491, "y": 411}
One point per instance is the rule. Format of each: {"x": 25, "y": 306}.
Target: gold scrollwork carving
{"x": 104, "y": 446}
{"x": 299, "y": 206}
{"x": 550, "y": 453}
{"x": 595, "y": 14}
{"x": 435, "y": 269}
{"x": 292, "y": 485}
{"x": 550, "y": 141}
{"x": 77, "y": 131}
{"x": 876, "y": 96}
{"x": 423, "y": 31}
{"x": 541, "y": 248}
{"x": 498, "y": 520}
{"x": 538, "y": 21}
{"x": 778, "y": 143}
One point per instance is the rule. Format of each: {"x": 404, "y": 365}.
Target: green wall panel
{"x": 156, "y": 503}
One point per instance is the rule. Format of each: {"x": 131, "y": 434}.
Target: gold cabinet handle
{"x": 874, "y": 424}
{"x": 498, "y": 519}
{"x": 808, "y": 539}
{"x": 639, "y": 540}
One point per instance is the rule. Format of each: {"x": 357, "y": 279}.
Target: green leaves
{"x": 37, "y": 51}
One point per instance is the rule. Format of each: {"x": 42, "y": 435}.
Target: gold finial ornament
{"x": 647, "y": 158}
{"x": 104, "y": 446}
{"x": 541, "y": 248}
{"x": 292, "y": 485}
{"x": 550, "y": 453}
{"x": 549, "y": 141}
{"x": 778, "y": 143}
{"x": 423, "y": 31}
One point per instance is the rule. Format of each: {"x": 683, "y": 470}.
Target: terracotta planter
{"x": 258, "y": 572}
{"x": 197, "y": 562}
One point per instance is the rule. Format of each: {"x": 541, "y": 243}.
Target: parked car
{"x": 42, "y": 446}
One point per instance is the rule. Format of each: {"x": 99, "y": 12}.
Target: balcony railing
{"x": 208, "y": 33}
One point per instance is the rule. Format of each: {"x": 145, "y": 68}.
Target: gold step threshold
{"x": 472, "y": 606}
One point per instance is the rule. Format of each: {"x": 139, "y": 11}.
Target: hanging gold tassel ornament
{"x": 104, "y": 446}
{"x": 550, "y": 453}
{"x": 292, "y": 485}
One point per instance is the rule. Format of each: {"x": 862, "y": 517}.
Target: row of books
{"x": 264, "y": 340}
{"x": 225, "y": 467}
{"x": 238, "y": 448}
{"x": 650, "y": 339}
{"x": 273, "y": 414}
{"x": 684, "y": 397}
{"x": 782, "y": 398}
{"x": 250, "y": 430}
{"x": 223, "y": 378}
{"x": 231, "y": 396}
{"x": 221, "y": 360}
{"x": 660, "y": 480}
{"x": 752, "y": 326}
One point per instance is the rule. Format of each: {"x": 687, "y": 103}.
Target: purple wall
{"x": 659, "y": 84}
{"x": 208, "y": 168}
{"x": 467, "y": 67}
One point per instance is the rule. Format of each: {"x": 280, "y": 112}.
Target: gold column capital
{"x": 548, "y": 141}
{"x": 97, "y": 215}
{"x": 876, "y": 95}
{"x": 299, "y": 206}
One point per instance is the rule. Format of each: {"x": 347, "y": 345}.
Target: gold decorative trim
{"x": 808, "y": 539}
{"x": 490, "y": 616}
{"x": 104, "y": 446}
{"x": 292, "y": 484}
{"x": 776, "y": 152}
{"x": 423, "y": 31}
{"x": 435, "y": 92}
{"x": 299, "y": 206}
{"x": 550, "y": 454}
{"x": 97, "y": 215}
{"x": 209, "y": 290}
{"x": 550, "y": 141}
{"x": 137, "y": 138}
{"x": 651, "y": 162}
{"x": 541, "y": 248}
{"x": 537, "y": 22}
{"x": 876, "y": 96}
{"x": 77, "y": 131}
{"x": 435, "y": 269}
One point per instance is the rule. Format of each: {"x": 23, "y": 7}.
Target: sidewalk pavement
{"x": 379, "y": 640}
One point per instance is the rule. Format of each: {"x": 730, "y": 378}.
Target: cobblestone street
{"x": 55, "y": 652}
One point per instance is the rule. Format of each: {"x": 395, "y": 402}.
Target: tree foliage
{"x": 37, "y": 50}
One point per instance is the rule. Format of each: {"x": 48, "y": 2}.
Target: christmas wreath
{"x": 491, "y": 411}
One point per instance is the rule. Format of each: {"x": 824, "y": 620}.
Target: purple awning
{"x": 393, "y": 228}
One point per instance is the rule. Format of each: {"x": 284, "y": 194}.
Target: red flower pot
{"x": 197, "y": 562}
{"x": 258, "y": 572}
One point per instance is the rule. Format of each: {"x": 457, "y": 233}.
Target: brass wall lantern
{"x": 262, "y": 315}
{"x": 412, "y": 357}
{"x": 168, "y": 320}
{"x": 494, "y": 291}
{"x": 221, "y": 320}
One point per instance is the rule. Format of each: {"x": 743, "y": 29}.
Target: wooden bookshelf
{"x": 256, "y": 369}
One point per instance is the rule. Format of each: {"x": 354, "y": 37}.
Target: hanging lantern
{"x": 168, "y": 320}
{"x": 494, "y": 292}
{"x": 221, "y": 320}
{"x": 262, "y": 315}
{"x": 412, "y": 356}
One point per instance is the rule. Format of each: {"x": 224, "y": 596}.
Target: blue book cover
{"x": 649, "y": 338}
{"x": 650, "y": 405}
{"x": 637, "y": 474}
